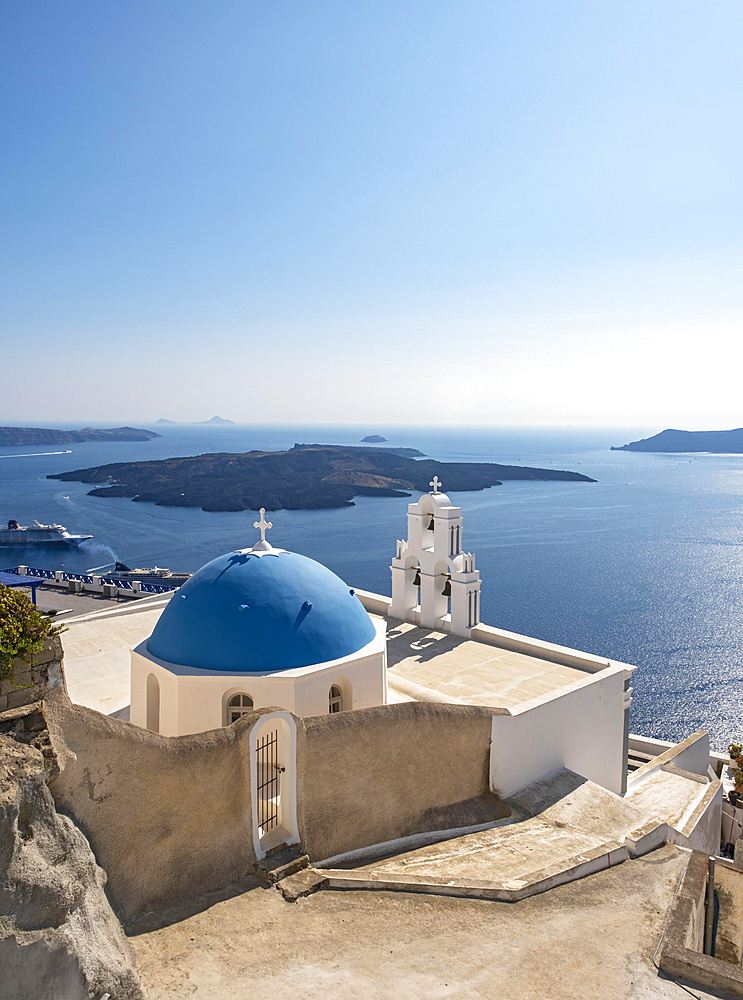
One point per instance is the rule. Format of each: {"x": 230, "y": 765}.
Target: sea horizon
{"x": 643, "y": 566}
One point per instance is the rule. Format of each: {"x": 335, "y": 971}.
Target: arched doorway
{"x": 273, "y": 751}
{"x": 153, "y": 704}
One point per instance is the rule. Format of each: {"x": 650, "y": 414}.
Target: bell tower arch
{"x": 434, "y": 583}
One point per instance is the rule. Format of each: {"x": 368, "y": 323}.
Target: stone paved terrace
{"x": 67, "y": 605}
{"x": 466, "y": 670}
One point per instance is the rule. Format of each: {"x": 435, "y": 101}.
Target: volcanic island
{"x": 671, "y": 440}
{"x": 306, "y": 477}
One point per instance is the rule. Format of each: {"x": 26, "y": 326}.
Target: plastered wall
{"x": 168, "y": 819}
{"x": 381, "y": 773}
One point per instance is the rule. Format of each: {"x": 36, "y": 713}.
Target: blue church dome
{"x": 246, "y": 611}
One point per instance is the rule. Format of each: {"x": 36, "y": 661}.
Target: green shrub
{"x": 23, "y": 630}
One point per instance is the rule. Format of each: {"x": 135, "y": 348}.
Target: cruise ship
{"x": 38, "y": 534}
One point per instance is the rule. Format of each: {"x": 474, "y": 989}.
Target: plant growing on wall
{"x": 735, "y": 750}
{"x": 23, "y": 630}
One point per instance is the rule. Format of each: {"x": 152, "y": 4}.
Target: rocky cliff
{"x": 46, "y": 435}
{"x": 59, "y": 936}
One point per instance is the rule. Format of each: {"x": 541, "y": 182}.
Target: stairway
{"x": 287, "y": 869}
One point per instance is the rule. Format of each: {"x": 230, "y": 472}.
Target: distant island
{"x": 212, "y": 420}
{"x": 43, "y": 435}
{"x": 726, "y": 442}
{"x": 307, "y": 477}
{"x": 373, "y": 439}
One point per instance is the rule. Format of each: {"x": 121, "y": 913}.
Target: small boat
{"x": 151, "y": 574}
{"x": 38, "y": 534}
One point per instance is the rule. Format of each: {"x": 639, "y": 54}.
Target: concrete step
{"x": 560, "y": 829}
{"x": 280, "y": 864}
{"x": 525, "y": 884}
{"x": 301, "y": 883}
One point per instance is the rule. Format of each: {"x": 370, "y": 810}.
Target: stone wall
{"x": 381, "y": 773}
{"x": 32, "y": 681}
{"x": 168, "y": 818}
{"x": 681, "y": 955}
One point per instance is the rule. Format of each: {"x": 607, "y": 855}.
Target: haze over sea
{"x": 644, "y": 566}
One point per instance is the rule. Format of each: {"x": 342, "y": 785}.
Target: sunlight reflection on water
{"x": 644, "y": 566}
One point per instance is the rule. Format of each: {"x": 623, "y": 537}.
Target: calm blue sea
{"x": 645, "y": 566}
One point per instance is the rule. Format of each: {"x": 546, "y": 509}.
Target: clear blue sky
{"x": 523, "y": 211}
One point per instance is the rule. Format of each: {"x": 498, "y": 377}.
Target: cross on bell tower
{"x": 435, "y": 483}
{"x": 263, "y": 524}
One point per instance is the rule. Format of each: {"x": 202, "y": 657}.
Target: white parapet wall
{"x": 679, "y": 787}
{"x": 378, "y": 604}
{"x": 581, "y": 728}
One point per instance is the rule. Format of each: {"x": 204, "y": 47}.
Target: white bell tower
{"x": 434, "y": 583}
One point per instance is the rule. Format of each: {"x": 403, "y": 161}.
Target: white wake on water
{"x": 35, "y": 454}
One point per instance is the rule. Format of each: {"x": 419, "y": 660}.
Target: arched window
{"x": 237, "y": 706}
{"x": 335, "y": 699}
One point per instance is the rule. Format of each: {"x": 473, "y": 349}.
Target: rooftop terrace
{"x": 422, "y": 662}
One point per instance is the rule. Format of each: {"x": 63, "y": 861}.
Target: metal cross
{"x": 263, "y": 524}
{"x": 435, "y": 483}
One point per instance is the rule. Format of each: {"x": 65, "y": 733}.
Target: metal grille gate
{"x": 268, "y": 771}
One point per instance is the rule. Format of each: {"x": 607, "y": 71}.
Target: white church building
{"x": 266, "y": 630}
{"x": 254, "y": 628}
{"x": 264, "y": 627}
{"x": 404, "y": 714}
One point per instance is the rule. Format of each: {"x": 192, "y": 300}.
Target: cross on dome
{"x": 435, "y": 483}
{"x": 263, "y": 524}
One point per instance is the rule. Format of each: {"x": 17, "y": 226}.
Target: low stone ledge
{"x": 647, "y": 838}
{"x": 569, "y": 869}
{"x": 686, "y": 924}
{"x": 32, "y": 680}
